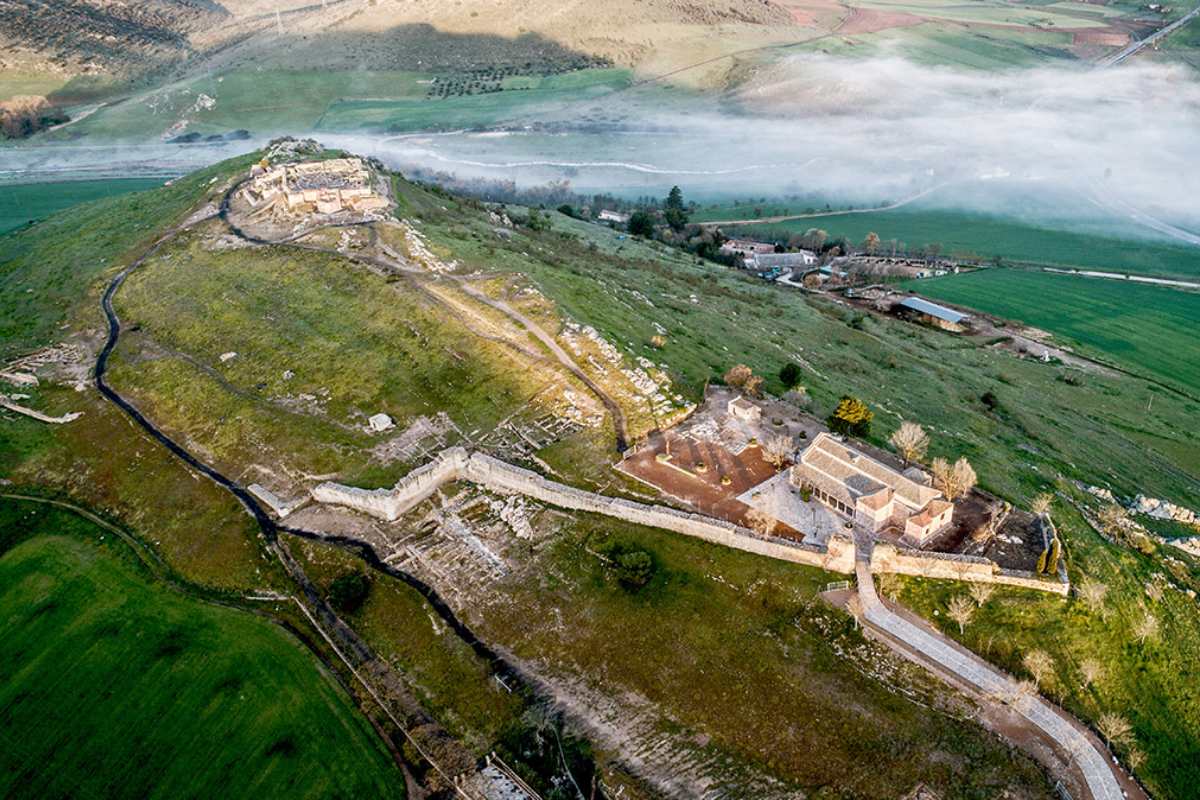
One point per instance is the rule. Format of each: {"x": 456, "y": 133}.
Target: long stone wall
{"x": 953, "y": 566}
{"x": 457, "y": 464}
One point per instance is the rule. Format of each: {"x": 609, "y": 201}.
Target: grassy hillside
{"x": 47, "y": 270}
{"x": 1146, "y": 329}
{"x": 22, "y": 203}
{"x": 116, "y": 686}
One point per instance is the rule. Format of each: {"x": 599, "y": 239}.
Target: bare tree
{"x": 1114, "y": 728}
{"x": 981, "y": 593}
{"x": 738, "y": 375}
{"x": 1146, "y": 628}
{"x": 1092, "y": 593}
{"x": 962, "y": 611}
{"x": 855, "y": 607}
{"x": 1041, "y": 504}
{"x": 760, "y": 522}
{"x": 964, "y": 478}
{"x": 1136, "y": 758}
{"x": 1092, "y": 671}
{"x": 776, "y": 449}
{"x": 753, "y": 386}
{"x": 1040, "y": 666}
{"x": 941, "y": 473}
{"x": 910, "y": 441}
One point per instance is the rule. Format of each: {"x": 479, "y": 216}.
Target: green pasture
{"x": 980, "y": 236}
{"x": 15, "y": 82}
{"x": 993, "y": 13}
{"x": 116, "y": 686}
{"x": 1149, "y": 330}
{"x": 22, "y": 203}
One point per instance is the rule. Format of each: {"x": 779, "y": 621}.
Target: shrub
{"x": 852, "y": 416}
{"x": 348, "y": 592}
{"x": 790, "y": 375}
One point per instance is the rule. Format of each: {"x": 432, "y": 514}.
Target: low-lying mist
{"x": 1065, "y": 143}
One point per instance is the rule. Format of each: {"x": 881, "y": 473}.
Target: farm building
{"x": 615, "y": 217}
{"x": 746, "y": 248}
{"x": 782, "y": 261}
{"x": 872, "y": 495}
{"x": 933, "y": 314}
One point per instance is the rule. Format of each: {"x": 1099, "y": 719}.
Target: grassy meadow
{"x": 116, "y": 686}
{"x": 1148, "y": 330}
{"x": 24, "y": 203}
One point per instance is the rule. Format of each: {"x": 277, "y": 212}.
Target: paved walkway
{"x": 1102, "y": 784}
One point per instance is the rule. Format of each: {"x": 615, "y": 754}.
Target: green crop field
{"x": 115, "y": 686}
{"x": 979, "y": 236}
{"x": 22, "y": 203}
{"x": 1147, "y": 329}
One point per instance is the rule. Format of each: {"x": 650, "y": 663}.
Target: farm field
{"x": 20, "y": 203}
{"x": 153, "y": 694}
{"x": 984, "y": 237}
{"x": 1145, "y": 329}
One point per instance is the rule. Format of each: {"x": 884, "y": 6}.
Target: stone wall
{"x": 953, "y": 566}
{"x": 457, "y": 464}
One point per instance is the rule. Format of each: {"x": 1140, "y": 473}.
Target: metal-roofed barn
{"x": 933, "y": 314}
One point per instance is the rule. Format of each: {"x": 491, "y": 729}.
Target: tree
{"x": 814, "y": 239}
{"x": 1092, "y": 594}
{"x": 790, "y": 375}
{"x": 1092, "y": 671}
{"x": 777, "y": 449}
{"x": 1146, "y": 628}
{"x": 753, "y": 386}
{"x": 910, "y": 441}
{"x": 855, "y": 607}
{"x": 953, "y": 481}
{"x": 1114, "y": 728}
{"x": 964, "y": 478}
{"x": 1040, "y": 666}
{"x": 961, "y": 610}
{"x": 348, "y": 592}
{"x": 812, "y": 281}
{"x": 738, "y": 375}
{"x": 674, "y": 211}
{"x": 641, "y": 224}
{"x": 981, "y": 593}
{"x": 760, "y": 522}
{"x": 635, "y": 568}
{"x": 871, "y": 243}
{"x": 889, "y": 585}
{"x": 1041, "y": 504}
{"x": 852, "y": 416}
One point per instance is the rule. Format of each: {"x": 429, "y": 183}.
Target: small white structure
{"x": 380, "y": 423}
{"x": 228, "y": 356}
{"x": 615, "y": 217}
{"x": 743, "y": 409}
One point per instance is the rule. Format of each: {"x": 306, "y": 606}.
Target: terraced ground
{"x": 115, "y": 685}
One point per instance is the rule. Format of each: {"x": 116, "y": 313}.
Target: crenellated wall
{"x": 457, "y": 464}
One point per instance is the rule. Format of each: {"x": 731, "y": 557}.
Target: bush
{"x": 852, "y": 416}
{"x": 348, "y": 592}
{"x": 641, "y": 224}
{"x": 634, "y": 567}
{"x": 790, "y": 375}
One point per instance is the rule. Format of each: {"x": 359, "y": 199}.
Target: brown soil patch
{"x": 869, "y": 20}
{"x": 702, "y": 490}
{"x": 1106, "y": 38}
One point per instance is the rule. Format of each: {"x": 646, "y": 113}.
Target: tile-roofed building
{"x": 872, "y": 494}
